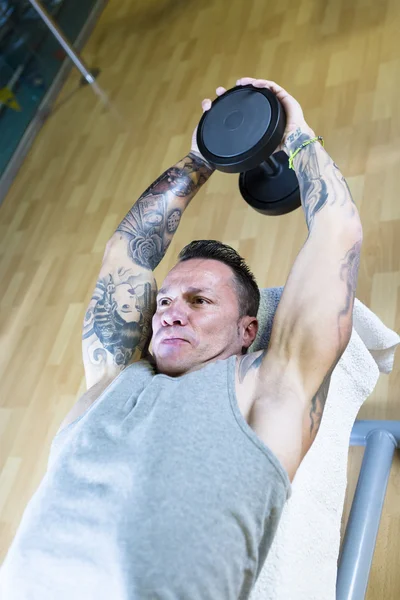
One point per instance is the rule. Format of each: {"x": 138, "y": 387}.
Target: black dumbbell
{"x": 239, "y": 134}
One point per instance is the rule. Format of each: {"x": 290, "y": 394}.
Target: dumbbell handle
{"x": 271, "y": 166}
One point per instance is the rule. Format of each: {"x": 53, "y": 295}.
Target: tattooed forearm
{"x": 150, "y": 224}
{"x": 320, "y": 180}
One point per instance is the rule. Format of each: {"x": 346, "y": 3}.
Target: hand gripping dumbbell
{"x": 239, "y": 134}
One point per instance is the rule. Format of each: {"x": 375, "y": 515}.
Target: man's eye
{"x": 196, "y": 300}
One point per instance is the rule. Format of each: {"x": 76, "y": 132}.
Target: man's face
{"x": 197, "y": 317}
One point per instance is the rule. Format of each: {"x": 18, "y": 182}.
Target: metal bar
{"x": 363, "y": 524}
{"x": 361, "y": 429}
{"x": 11, "y": 170}
{"x": 63, "y": 41}
{"x": 15, "y": 76}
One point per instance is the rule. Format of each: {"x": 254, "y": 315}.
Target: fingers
{"x": 245, "y": 81}
{"x": 260, "y": 83}
{"x": 278, "y": 90}
{"x": 206, "y": 104}
{"x": 294, "y": 112}
{"x": 254, "y": 81}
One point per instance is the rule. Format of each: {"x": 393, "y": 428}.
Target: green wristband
{"x": 293, "y": 154}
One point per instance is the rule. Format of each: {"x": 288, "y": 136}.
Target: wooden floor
{"x": 159, "y": 59}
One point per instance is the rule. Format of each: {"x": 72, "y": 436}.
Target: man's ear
{"x": 249, "y": 331}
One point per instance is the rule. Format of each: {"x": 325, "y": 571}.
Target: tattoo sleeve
{"x": 152, "y": 221}
{"x": 117, "y": 322}
{"x": 321, "y": 183}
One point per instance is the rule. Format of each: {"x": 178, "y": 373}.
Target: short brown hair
{"x": 246, "y": 287}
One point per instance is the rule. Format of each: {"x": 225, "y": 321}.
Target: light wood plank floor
{"x": 159, "y": 59}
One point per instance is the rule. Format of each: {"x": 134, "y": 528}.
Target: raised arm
{"x": 117, "y": 324}
{"x": 313, "y": 322}
{"x": 314, "y": 319}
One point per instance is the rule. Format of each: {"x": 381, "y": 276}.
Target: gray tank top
{"x": 160, "y": 490}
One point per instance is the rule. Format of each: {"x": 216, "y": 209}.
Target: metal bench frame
{"x": 380, "y": 438}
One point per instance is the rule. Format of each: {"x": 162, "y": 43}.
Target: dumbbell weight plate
{"x": 271, "y": 191}
{"x": 242, "y": 128}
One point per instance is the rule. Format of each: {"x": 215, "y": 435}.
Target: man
{"x": 168, "y": 478}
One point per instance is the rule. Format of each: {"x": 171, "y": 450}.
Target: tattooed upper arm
{"x": 311, "y": 329}
{"x": 117, "y": 323}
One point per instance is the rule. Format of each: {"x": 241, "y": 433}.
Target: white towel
{"x": 302, "y": 562}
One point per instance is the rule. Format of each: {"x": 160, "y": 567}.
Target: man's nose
{"x": 174, "y": 314}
